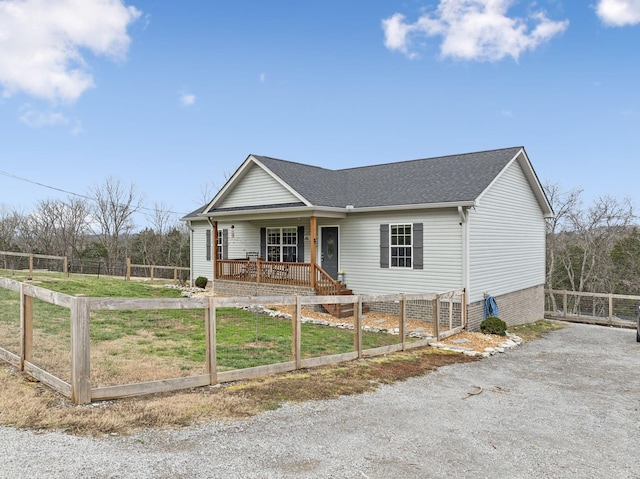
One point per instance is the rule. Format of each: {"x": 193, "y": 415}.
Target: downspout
{"x": 464, "y": 223}
{"x": 190, "y": 254}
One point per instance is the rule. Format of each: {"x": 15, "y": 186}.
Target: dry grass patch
{"x": 28, "y": 404}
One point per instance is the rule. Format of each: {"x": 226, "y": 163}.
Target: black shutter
{"x": 384, "y": 246}
{"x": 300, "y": 258}
{"x": 417, "y": 246}
{"x": 263, "y": 243}
{"x": 208, "y": 242}
{"x": 225, "y": 244}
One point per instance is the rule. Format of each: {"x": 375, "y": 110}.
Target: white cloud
{"x": 619, "y": 13}
{"x": 473, "y": 30}
{"x": 263, "y": 77}
{"x": 187, "y": 99}
{"x": 37, "y": 119}
{"x": 41, "y": 43}
{"x": 40, "y": 119}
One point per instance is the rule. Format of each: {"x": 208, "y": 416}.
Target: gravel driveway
{"x": 567, "y": 405}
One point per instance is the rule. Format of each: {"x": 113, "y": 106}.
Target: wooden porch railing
{"x": 259, "y": 271}
{"x": 325, "y": 284}
{"x": 295, "y": 274}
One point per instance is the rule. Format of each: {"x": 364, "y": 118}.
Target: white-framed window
{"x": 401, "y": 245}
{"x": 282, "y": 244}
{"x": 220, "y": 243}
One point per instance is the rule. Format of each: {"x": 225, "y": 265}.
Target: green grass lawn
{"x": 131, "y": 346}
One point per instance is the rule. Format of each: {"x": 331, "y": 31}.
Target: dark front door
{"x": 329, "y": 259}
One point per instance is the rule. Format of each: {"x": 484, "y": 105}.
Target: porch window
{"x": 282, "y": 244}
{"x": 220, "y": 244}
{"x": 400, "y": 244}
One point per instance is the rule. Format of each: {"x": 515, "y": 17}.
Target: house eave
{"x": 286, "y": 212}
{"x": 422, "y": 206}
{"x": 323, "y": 211}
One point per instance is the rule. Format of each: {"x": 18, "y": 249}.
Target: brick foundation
{"x": 244, "y": 288}
{"x": 519, "y": 307}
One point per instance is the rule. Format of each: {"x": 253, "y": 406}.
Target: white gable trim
{"x": 532, "y": 179}
{"x": 240, "y": 173}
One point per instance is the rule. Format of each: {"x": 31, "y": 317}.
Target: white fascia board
{"x": 279, "y": 180}
{"x": 532, "y": 179}
{"x": 274, "y": 213}
{"x": 326, "y": 212}
{"x": 239, "y": 173}
{"x": 537, "y": 188}
{"x": 425, "y": 206}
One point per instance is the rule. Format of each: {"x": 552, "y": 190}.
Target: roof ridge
{"x": 432, "y": 158}
{"x": 389, "y": 162}
{"x": 291, "y": 162}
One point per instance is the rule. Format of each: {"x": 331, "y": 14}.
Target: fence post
{"x": 295, "y": 331}
{"x": 65, "y": 266}
{"x": 564, "y": 303}
{"x": 80, "y": 351}
{"x": 436, "y": 317}
{"x": 610, "y": 308}
{"x": 403, "y": 319}
{"x": 210, "y": 333}
{"x": 357, "y": 325}
{"x": 30, "y": 265}
{"x": 175, "y": 275}
{"x": 128, "y": 273}
{"x": 151, "y": 271}
{"x": 26, "y": 327}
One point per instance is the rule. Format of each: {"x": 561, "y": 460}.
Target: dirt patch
{"x": 28, "y": 404}
{"x": 477, "y": 341}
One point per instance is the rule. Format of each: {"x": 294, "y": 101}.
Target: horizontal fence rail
{"x": 278, "y": 334}
{"x": 605, "y": 309}
{"x": 34, "y": 263}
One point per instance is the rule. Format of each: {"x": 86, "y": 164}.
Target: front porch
{"x": 281, "y": 273}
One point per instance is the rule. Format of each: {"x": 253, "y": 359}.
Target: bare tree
{"x": 564, "y": 204}
{"x": 9, "y": 222}
{"x": 581, "y": 241}
{"x": 595, "y": 231}
{"x": 112, "y": 216}
{"x": 74, "y": 225}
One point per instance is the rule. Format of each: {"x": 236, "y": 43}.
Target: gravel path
{"x": 565, "y": 406}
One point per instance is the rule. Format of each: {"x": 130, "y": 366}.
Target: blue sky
{"x": 173, "y": 96}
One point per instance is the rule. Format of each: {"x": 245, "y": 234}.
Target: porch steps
{"x": 343, "y": 310}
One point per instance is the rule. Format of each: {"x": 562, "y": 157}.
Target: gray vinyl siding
{"x": 257, "y": 188}
{"x": 200, "y": 265}
{"x": 243, "y": 238}
{"x": 359, "y": 237}
{"x": 506, "y": 238}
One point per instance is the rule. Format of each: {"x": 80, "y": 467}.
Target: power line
{"x": 26, "y": 180}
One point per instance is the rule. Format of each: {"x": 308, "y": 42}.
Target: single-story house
{"x": 474, "y": 221}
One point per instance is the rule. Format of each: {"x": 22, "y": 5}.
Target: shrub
{"x": 493, "y": 325}
{"x": 201, "y": 282}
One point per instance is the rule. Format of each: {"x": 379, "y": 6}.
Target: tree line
{"x": 98, "y": 226}
{"x": 593, "y": 248}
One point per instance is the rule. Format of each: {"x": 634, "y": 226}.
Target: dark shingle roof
{"x": 445, "y": 179}
{"x": 194, "y": 214}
